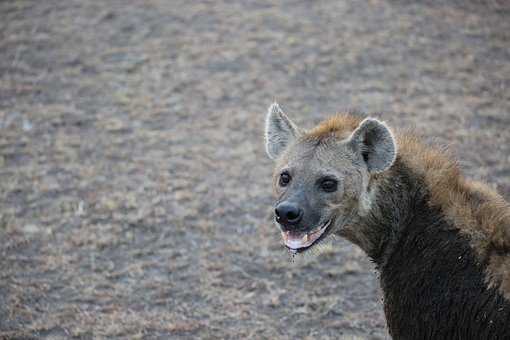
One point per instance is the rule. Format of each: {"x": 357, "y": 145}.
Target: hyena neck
{"x": 400, "y": 200}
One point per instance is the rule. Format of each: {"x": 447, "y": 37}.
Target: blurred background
{"x": 135, "y": 190}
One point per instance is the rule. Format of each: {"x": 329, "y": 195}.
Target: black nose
{"x": 288, "y": 214}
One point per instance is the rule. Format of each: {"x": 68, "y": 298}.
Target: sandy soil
{"x": 135, "y": 191}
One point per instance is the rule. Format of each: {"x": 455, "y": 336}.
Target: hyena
{"x": 440, "y": 242}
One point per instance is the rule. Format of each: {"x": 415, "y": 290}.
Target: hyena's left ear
{"x": 375, "y": 141}
{"x": 280, "y": 131}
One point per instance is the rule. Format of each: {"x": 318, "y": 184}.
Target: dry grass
{"x": 135, "y": 191}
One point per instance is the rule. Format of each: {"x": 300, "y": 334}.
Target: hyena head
{"x": 322, "y": 178}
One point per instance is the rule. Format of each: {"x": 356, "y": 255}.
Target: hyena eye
{"x": 284, "y": 179}
{"x": 329, "y": 185}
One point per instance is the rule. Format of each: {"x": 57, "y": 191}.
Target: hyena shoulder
{"x": 472, "y": 207}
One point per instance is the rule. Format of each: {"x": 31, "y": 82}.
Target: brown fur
{"x": 472, "y": 207}
{"x": 340, "y": 126}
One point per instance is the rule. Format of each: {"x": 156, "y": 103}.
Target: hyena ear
{"x": 280, "y": 131}
{"x": 376, "y": 143}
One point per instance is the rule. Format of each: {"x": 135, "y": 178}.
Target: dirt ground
{"x": 135, "y": 190}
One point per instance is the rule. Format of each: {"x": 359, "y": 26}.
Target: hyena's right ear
{"x": 280, "y": 131}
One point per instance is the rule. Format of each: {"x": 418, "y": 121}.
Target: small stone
{"x": 31, "y": 229}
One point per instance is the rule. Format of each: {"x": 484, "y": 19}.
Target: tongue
{"x": 296, "y": 240}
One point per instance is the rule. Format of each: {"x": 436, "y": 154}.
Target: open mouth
{"x": 300, "y": 241}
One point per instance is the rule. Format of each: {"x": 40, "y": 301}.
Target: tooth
{"x": 305, "y": 238}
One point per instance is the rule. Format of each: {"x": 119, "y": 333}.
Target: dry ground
{"x": 135, "y": 192}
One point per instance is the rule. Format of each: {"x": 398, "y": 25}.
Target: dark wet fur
{"x": 433, "y": 286}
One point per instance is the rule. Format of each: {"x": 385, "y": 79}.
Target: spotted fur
{"x": 472, "y": 207}
{"x": 440, "y": 241}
